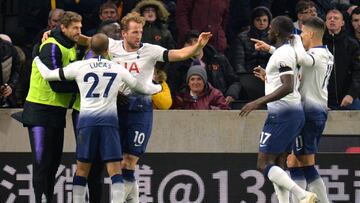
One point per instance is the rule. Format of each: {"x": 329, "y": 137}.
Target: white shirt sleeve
{"x": 303, "y": 58}
{"x": 148, "y": 89}
{"x": 46, "y": 73}
{"x": 69, "y": 72}
{"x": 286, "y": 61}
{"x": 158, "y": 52}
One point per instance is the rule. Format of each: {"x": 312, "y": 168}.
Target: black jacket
{"x": 345, "y": 76}
{"x": 9, "y": 69}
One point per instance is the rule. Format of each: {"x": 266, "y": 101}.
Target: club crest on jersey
{"x": 132, "y": 67}
{"x": 100, "y": 64}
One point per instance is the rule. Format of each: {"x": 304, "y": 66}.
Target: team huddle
{"x": 108, "y": 131}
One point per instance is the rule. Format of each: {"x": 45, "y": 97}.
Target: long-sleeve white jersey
{"x": 282, "y": 62}
{"x": 140, "y": 63}
{"x": 316, "y": 65}
{"x": 99, "y": 81}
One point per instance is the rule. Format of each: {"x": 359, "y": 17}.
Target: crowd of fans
{"x": 219, "y": 77}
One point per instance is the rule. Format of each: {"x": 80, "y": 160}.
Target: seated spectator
{"x": 199, "y": 94}
{"x": 304, "y": 9}
{"x": 107, "y": 11}
{"x": 53, "y": 21}
{"x": 9, "y": 72}
{"x": 162, "y": 100}
{"x": 155, "y": 30}
{"x": 219, "y": 71}
{"x": 244, "y": 58}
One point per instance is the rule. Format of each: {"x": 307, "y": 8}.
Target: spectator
{"x": 344, "y": 83}
{"x": 304, "y": 9}
{"x": 239, "y": 16}
{"x": 203, "y": 15}
{"x": 219, "y": 71}
{"x": 107, "y": 11}
{"x": 355, "y": 23}
{"x": 199, "y": 94}
{"x": 244, "y": 58}
{"x": 155, "y": 30}
{"x": 9, "y": 72}
{"x": 161, "y": 100}
{"x": 53, "y": 21}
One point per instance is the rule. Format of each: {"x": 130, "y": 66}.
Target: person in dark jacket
{"x": 199, "y": 94}
{"x": 344, "y": 83}
{"x": 245, "y": 58}
{"x": 203, "y": 15}
{"x": 155, "y": 30}
{"x": 9, "y": 72}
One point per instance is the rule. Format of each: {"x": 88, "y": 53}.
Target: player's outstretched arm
{"x": 132, "y": 82}
{"x": 187, "y": 52}
{"x": 304, "y": 59}
{"x": 46, "y": 73}
{"x": 263, "y": 46}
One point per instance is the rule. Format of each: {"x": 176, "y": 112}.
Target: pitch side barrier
{"x": 193, "y": 156}
{"x": 187, "y": 131}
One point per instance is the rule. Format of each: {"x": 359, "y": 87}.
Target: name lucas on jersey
{"x": 132, "y": 67}
{"x": 100, "y": 64}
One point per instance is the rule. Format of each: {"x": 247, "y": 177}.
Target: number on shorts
{"x": 139, "y": 138}
{"x": 264, "y": 137}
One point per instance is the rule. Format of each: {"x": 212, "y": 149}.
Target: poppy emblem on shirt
{"x": 157, "y": 37}
{"x": 214, "y": 67}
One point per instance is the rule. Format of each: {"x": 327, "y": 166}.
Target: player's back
{"x": 281, "y": 62}
{"x": 314, "y": 80}
{"x": 99, "y": 81}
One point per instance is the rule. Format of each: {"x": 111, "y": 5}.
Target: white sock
{"x": 78, "y": 194}
{"x": 281, "y": 178}
{"x": 131, "y": 191}
{"x": 118, "y": 192}
{"x": 282, "y": 194}
{"x": 318, "y": 187}
{"x": 301, "y": 183}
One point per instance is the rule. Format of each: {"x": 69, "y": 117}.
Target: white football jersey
{"x": 99, "y": 81}
{"x": 315, "y": 77}
{"x": 282, "y": 62}
{"x": 140, "y": 63}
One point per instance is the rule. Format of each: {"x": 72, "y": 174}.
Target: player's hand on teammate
{"x": 260, "y": 73}
{"x": 245, "y": 110}
{"x": 346, "y": 101}
{"x": 45, "y": 36}
{"x": 204, "y": 38}
{"x": 260, "y": 45}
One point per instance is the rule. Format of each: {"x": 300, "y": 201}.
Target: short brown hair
{"x": 108, "y": 5}
{"x": 133, "y": 16}
{"x": 302, "y": 5}
{"x": 70, "y": 17}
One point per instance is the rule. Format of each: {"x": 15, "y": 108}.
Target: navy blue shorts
{"x": 308, "y": 140}
{"x": 280, "y": 131}
{"x": 135, "y": 123}
{"x": 104, "y": 140}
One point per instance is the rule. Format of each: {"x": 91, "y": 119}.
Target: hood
{"x": 161, "y": 11}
